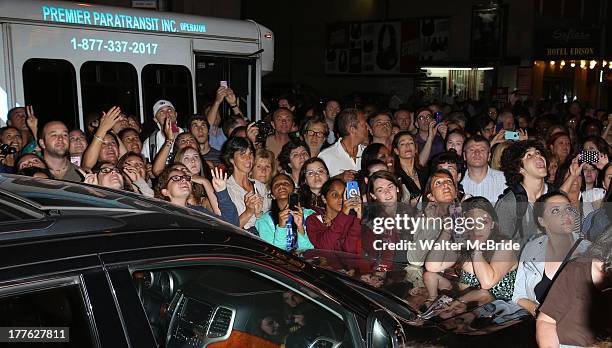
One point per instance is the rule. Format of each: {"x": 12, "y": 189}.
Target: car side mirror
{"x": 384, "y": 331}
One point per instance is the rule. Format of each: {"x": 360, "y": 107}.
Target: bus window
{"x": 240, "y": 74}
{"x": 106, "y": 84}
{"x": 50, "y": 86}
{"x": 170, "y": 82}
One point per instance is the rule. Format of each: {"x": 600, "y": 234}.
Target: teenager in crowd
{"x": 292, "y": 158}
{"x": 174, "y": 185}
{"x": 313, "y": 175}
{"x": 491, "y": 270}
{"x": 284, "y": 226}
{"x": 338, "y": 226}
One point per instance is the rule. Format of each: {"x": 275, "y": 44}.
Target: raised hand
{"x": 221, "y": 92}
{"x": 523, "y": 134}
{"x": 132, "y": 173}
{"x": 91, "y": 179}
{"x": 498, "y": 138}
{"x": 230, "y": 97}
{"x": 219, "y": 179}
{"x": 442, "y": 129}
{"x": 31, "y": 119}
{"x": 109, "y": 118}
{"x": 603, "y": 160}
{"x": 298, "y": 219}
{"x": 168, "y": 133}
{"x": 576, "y": 167}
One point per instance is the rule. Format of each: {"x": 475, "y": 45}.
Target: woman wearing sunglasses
{"x": 174, "y": 185}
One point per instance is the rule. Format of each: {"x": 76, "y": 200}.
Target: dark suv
{"x": 112, "y": 269}
{"x": 121, "y": 271}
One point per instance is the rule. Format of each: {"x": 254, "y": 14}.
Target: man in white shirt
{"x": 480, "y": 179}
{"x": 162, "y": 109}
{"x": 344, "y": 157}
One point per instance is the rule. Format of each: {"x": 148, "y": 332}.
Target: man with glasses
{"x": 381, "y": 126}
{"x": 162, "y": 110}
{"x": 315, "y": 132}
{"x": 428, "y": 140}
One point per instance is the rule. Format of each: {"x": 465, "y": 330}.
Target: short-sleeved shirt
{"x": 72, "y": 174}
{"x": 338, "y": 160}
{"x": 582, "y": 311}
{"x": 491, "y": 187}
{"x": 213, "y": 155}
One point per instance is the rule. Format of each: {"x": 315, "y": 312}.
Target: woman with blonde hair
{"x": 264, "y": 168}
{"x": 496, "y": 154}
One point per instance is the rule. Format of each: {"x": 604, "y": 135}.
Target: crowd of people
{"x": 537, "y": 174}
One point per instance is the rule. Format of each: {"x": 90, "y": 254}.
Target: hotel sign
{"x": 568, "y": 43}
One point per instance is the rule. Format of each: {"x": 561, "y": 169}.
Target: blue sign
{"x": 117, "y": 20}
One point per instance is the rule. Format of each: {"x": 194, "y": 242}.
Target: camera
{"x": 6, "y": 149}
{"x": 265, "y": 129}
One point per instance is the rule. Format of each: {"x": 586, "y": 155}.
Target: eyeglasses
{"x": 425, "y": 117}
{"x": 383, "y": 124}
{"x": 315, "y": 133}
{"x": 177, "y": 178}
{"x": 311, "y": 173}
{"x": 108, "y": 170}
{"x": 135, "y": 164}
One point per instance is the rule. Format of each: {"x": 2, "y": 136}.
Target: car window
{"x": 227, "y": 306}
{"x": 50, "y": 308}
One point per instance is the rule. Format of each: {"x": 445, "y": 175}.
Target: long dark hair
{"x": 309, "y": 199}
{"x": 383, "y": 174}
{"x": 481, "y": 203}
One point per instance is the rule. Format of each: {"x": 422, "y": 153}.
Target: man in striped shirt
{"x": 480, "y": 179}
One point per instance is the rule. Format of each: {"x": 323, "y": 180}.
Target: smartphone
{"x": 352, "y": 190}
{"x": 223, "y": 84}
{"x": 499, "y": 126}
{"x": 439, "y": 117}
{"x": 589, "y": 157}
{"x": 76, "y": 160}
{"x": 509, "y": 135}
{"x": 293, "y": 201}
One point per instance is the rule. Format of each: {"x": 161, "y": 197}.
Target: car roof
{"x": 76, "y": 208}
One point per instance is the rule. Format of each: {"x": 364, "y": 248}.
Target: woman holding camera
{"x": 284, "y": 225}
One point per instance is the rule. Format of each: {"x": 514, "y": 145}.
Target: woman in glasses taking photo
{"x": 174, "y": 185}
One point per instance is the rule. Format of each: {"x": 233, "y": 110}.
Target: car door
{"x": 227, "y": 302}
{"x": 62, "y": 304}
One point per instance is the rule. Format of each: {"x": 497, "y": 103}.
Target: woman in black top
{"x": 407, "y": 167}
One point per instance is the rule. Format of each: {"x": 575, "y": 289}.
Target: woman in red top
{"x": 336, "y": 228}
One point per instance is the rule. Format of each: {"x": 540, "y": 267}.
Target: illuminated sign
{"x": 117, "y": 20}
{"x": 114, "y": 46}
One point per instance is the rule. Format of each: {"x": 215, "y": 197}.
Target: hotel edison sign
{"x": 569, "y": 43}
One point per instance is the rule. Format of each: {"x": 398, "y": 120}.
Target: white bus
{"x": 72, "y": 59}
